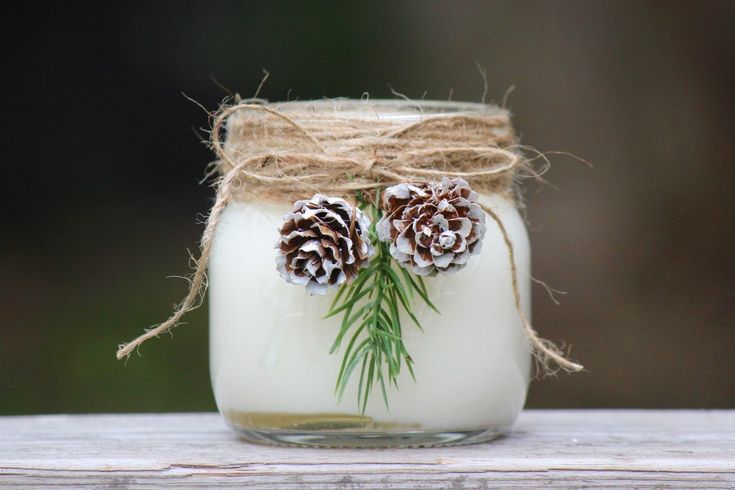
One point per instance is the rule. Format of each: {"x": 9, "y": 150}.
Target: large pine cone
{"x": 432, "y": 227}
{"x": 324, "y": 243}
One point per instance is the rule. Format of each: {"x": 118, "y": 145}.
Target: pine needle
{"x": 371, "y": 314}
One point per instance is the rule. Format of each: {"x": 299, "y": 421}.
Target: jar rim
{"x": 387, "y": 108}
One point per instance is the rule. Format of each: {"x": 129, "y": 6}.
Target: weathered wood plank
{"x": 551, "y": 448}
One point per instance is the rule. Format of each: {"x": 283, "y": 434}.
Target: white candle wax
{"x": 270, "y": 341}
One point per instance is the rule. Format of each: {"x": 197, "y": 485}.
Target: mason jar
{"x": 273, "y": 376}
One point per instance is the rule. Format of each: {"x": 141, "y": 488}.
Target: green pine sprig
{"x": 370, "y": 307}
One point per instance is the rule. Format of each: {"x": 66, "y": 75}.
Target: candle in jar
{"x": 270, "y": 339}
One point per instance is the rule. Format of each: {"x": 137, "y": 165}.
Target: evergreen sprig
{"x": 370, "y": 307}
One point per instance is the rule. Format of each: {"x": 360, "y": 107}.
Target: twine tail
{"x": 198, "y": 284}
{"x": 544, "y": 351}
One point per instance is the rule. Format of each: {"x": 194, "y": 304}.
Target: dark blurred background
{"x": 100, "y": 192}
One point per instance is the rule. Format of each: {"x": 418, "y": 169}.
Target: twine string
{"x": 544, "y": 351}
{"x": 198, "y": 282}
{"x": 273, "y": 154}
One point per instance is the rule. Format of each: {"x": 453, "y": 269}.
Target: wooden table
{"x": 551, "y": 448}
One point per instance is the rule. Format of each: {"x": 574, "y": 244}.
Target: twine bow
{"x": 289, "y": 151}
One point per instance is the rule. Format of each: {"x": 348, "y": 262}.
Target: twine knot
{"x": 367, "y": 168}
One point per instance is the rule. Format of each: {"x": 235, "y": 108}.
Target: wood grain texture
{"x": 550, "y": 448}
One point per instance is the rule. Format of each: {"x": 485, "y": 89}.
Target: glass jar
{"x": 274, "y": 379}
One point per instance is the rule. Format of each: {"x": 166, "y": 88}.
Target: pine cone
{"x": 432, "y": 227}
{"x": 324, "y": 243}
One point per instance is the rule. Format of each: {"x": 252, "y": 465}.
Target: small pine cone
{"x": 324, "y": 243}
{"x": 432, "y": 227}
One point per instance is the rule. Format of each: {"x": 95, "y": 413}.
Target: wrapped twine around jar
{"x": 289, "y": 151}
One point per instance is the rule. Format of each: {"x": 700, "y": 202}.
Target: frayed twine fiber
{"x": 289, "y": 151}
